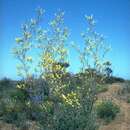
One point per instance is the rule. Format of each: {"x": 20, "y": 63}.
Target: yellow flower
{"x": 18, "y": 86}
{"x": 63, "y": 96}
{"x": 21, "y": 86}
{"x": 18, "y": 40}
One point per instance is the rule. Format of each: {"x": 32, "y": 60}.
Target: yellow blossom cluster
{"x": 21, "y": 86}
{"x": 47, "y": 60}
{"x": 71, "y": 99}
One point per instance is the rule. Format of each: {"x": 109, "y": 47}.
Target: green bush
{"x": 102, "y": 88}
{"x": 20, "y": 95}
{"x": 125, "y": 89}
{"x": 127, "y": 86}
{"x": 107, "y": 110}
{"x": 128, "y": 100}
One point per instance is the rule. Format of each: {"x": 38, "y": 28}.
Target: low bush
{"x": 128, "y": 100}
{"x": 102, "y": 88}
{"x": 107, "y": 110}
{"x": 124, "y": 92}
{"x": 127, "y": 86}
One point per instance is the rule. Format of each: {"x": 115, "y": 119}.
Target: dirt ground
{"x": 122, "y": 121}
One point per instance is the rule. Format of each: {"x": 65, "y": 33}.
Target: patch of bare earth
{"x": 122, "y": 121}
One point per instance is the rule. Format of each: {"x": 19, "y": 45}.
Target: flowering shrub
{"x": 64, "y": 103}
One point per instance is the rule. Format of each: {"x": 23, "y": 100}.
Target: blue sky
{"x": 113, "y": 20}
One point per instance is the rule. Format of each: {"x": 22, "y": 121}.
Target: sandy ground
{"x": 122, "y": 121}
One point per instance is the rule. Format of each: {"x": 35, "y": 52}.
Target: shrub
{"x": 127, "y": 87}
{"x": 125, "y": 90}
{"x": 102, "y": 88}
{"x": 6, "y": 111}
{"x": 128, "y": 100}
{"x": 107, "y": 110}
{"x": 62, "y": 107}
{"x": 20, "y": 95}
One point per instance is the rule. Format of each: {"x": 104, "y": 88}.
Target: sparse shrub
{"x": 128, "y": 100}
{"x": 127, "y": 86}
{"x": 102, "y": 88}
{"x": 20, "y": 95}
{"x": 9, "y": 112}
{"x": 124, "y": 92}
{"x": 107, "y": 110}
